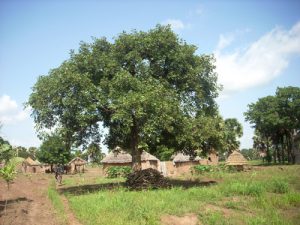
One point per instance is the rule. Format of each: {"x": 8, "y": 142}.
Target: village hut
{"x": 183, "y": 163}
{"x": 77, "y": 165}
{"x": 117, "y": 157}
{"x": 237, "y": 160}
{"x": 149, "y": 161}
{"x": 32, "y": 166}
{"x": 212, "y": 159}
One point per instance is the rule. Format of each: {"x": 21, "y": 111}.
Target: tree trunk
{"x": 135, "y": 152}
{"x": 296, "y": 147}
{"x": 269, "y": 156}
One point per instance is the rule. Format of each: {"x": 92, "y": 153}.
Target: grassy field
{"x": 263, "y": 195}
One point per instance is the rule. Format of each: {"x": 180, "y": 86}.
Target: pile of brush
{"x": 146, "y": 179}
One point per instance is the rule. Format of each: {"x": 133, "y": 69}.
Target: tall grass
{"x": 256, "y": 197}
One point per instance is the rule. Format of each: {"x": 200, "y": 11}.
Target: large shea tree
{"x": 141, "y": 86}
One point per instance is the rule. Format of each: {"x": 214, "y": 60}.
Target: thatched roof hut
{"x": 183, "y": 163}
{"x": 29, "y": 161}
{"x": 148, "y": 157}
{"x": 31, "y": 166}
{"x": 119, "y": 157}
{"x": 77, "y": 165}
{"x": 149, "y": 161}
{"x": 180, "y": 158}
{"x": 236, "y": 159}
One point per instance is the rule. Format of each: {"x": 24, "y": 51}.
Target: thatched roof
{"x": 78, "y": 161}
{"x": 180, "y": 157}
{"x": 148, "y": 157}
{"x": 118, "y": 155}
{"x": 236, "y": 159}
{"x": 29, "y": 161}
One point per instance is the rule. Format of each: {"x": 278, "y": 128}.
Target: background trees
{"x": 146, "y": 87}
{"x": 53, "y": 151}
{"x": 276, "y": 121}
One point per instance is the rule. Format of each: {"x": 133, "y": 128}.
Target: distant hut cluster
{"x": 118, "y": 157}
{"x": 76, "y": 165}
{"x": 237, "y": 160}
{"x": 181, "y": 163}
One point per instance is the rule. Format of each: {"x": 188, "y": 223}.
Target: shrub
{"x": 203, "y": 168}
{"x": 279, "y": 186}
{"x": 118, "y": 171}
{"x": 199, "y": 169}
{"x": 244, "y": 188}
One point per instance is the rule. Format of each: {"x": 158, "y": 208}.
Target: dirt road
{"x": 27, "y": 201}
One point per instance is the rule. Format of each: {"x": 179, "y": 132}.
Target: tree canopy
{"x": 276, "y": 120}
{"x": 150, "y": 89}
{"x": 52, "y": 151}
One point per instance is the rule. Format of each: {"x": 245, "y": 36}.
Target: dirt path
{"x": 27, "y": 201}
{"x": 72, "y": 220}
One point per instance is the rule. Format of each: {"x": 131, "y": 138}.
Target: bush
{"x": 279, "y": 186}
{"x": 118, "y": 171}
{"x": 199, "y": 169}
{"x": 203, "y": 168}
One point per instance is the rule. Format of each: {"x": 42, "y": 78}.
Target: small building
{"x": 183, "y": 163}
{"x": 117, "y": 157}
{"x": 149, "y": 161}
{"x": 77, "y": 165}
{"x": 237, "y": 160}
{"x": 212, "y": 159}
{"x": 32, "y": 166}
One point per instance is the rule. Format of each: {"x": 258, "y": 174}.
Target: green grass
{"x": 257, "y": 197}
{"x": 57, "y": 204}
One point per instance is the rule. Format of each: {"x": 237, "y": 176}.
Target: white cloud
{"x": 7, "y": 104}
{"x": 224, "y": 41}
{"x": 10, "y": 112}
{"x": 258, "y": 64}
{"x": 176, "y": 24}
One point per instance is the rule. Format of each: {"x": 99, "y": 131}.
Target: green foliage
{"x": 276, "y": 122}
{"x": 8, "y": 173}
{"x": 279, "y": 186}
{"x": 165, "y": 153}
{"x": 201, "y": 169}
{"x": 6, "y": 151}
{"x": 118, "y": 171}
{"x": 233, "y": 131}
{"x": 146, "y": 87}
{"x": 53, "y": 151}
{"x": 250, "y": 154}
{"x": 94, "y": 153}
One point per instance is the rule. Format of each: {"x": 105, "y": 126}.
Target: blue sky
{"x": 256, "y": 45}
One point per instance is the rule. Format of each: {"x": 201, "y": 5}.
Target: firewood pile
{"x": 146, "y": 179}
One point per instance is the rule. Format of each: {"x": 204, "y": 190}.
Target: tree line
{"x": 276, "y": 120}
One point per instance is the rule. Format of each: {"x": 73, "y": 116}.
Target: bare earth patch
{"x": 188, "y": 219}
{"x": 27, "y": 201}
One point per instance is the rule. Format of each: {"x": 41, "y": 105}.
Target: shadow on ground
{"x": 12, "y": 201}
{"x": 90, "y": 188}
